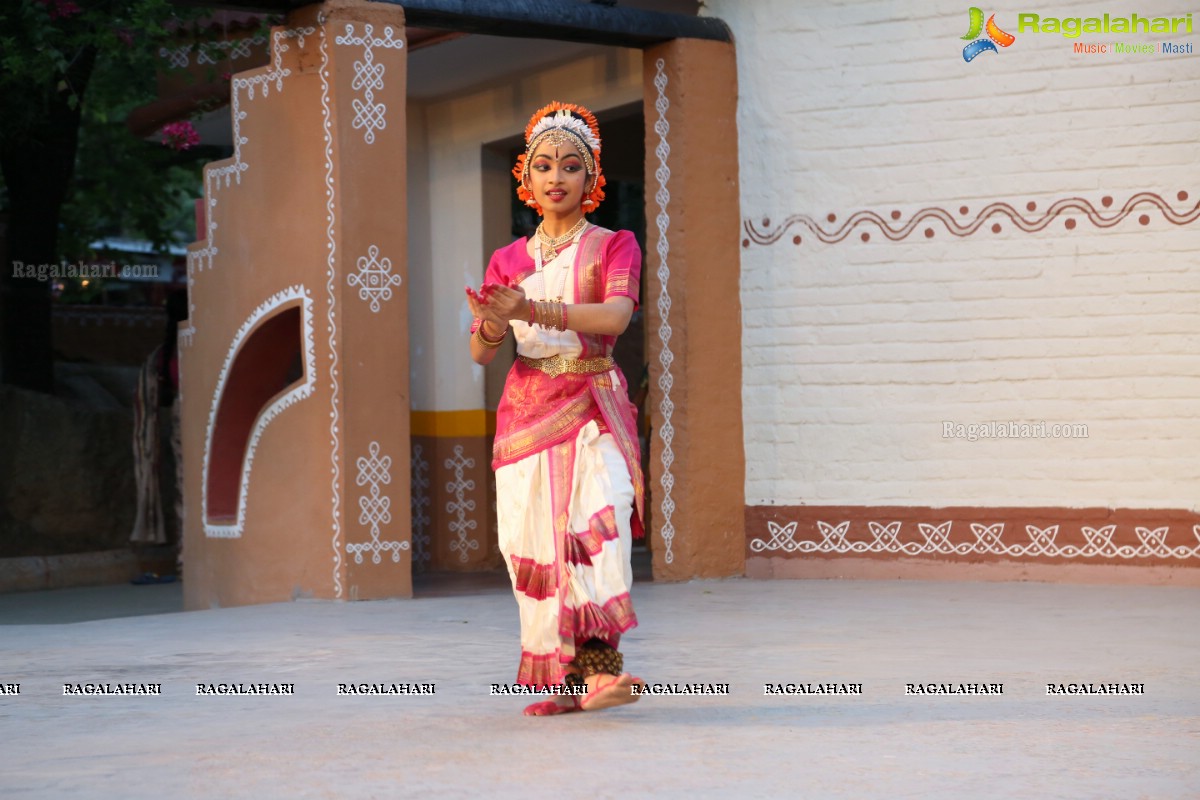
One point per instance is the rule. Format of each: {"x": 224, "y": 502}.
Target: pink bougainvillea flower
{"x": 180, "y": 135}
{"x": 61, "y": 9}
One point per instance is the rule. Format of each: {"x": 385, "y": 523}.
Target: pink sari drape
{"x": 538, "y": 412}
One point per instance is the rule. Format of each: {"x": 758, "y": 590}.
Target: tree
{"x": 69, "y": 75}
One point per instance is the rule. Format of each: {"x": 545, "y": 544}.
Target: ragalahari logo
{"x": 995, "y": 36}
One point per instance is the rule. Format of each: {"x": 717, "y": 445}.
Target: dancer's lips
{"x": 557, "y": 195}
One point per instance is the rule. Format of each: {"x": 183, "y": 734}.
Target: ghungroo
{"x": 600, "y": 658}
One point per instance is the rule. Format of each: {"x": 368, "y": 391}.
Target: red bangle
{"x": 564, "y": 315}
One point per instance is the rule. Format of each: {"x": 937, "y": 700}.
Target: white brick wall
{"x": 855, "y": 353}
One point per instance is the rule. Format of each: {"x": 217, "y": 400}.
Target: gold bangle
{"x": 550, "y": 314}
{"x": 490, "y": 344}
{"x": 487, "y": 344}
{"x": 503, "y": 332}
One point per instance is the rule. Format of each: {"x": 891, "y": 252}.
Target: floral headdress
{"x": 562, "y": 123}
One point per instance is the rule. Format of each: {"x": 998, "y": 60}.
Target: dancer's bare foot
{"x": 606, "y": 691}
{"x": 561, "y": 704}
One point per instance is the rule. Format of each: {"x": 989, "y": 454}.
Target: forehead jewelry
{"x": 558, "y": 137}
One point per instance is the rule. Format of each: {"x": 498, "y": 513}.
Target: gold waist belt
{"x": 557, "y": 365}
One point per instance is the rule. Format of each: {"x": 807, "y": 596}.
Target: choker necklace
{"x": 553, "y": 244}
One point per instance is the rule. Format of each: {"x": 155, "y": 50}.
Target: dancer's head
{"x": 560, "y": 168}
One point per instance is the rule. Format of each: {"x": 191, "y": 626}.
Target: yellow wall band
{"x": 476, "y": 422}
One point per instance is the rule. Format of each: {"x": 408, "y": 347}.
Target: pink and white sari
{"x": 568, "y": 477}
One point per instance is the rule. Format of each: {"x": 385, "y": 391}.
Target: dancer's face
{"x": 557, "y": 177}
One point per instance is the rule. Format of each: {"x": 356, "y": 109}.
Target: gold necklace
{"x": 544, "y": 261}
{"x": 553, "y": 244}
{"x": 562, "y": 283}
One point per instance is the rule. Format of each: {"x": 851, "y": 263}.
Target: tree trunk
{"x": 37, "y": 167}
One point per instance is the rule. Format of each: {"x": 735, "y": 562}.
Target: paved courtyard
{"x": 464, "y": 742}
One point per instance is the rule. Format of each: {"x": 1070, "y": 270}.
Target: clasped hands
{"x": 498, "y": 304}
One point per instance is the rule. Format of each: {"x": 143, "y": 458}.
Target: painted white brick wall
{"x": 856, "y": 352}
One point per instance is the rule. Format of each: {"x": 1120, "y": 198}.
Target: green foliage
{"x": 101, "y": 57}
{"x": 134, "y": 188}
{"x": 44, "y": 45}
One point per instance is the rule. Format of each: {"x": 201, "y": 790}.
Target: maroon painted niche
{"x": 269, "y": 364}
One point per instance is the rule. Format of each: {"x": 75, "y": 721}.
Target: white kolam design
{"x": 369, "y": 115}
{"x": 291, "y": 296}
{"x": 421, "y": 501}
{"x": 988, "y": 540}
{"x": 230, "y": 173}
{"x": 374, "y": 278}
{"x": 236, "y": 49}
{"x": 666, "y": 406}
{"x": 459, "y": 506}
{"x": 374, "y": 506}
{"x": 331, "y": 318}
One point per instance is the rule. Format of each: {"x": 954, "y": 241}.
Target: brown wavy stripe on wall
{"x": 1123, "y": 536}
{"x": 931, "y": 220}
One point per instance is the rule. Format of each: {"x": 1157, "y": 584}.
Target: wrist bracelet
{"x": 486, "y": 338}
{"x": 548, "y": 314}
{"x": 490, "y": 343}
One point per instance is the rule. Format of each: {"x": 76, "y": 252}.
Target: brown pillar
{"x": 367, "y": 78}
{"x": 693, "y": 311}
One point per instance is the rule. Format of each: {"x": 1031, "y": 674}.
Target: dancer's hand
{"x": 482, "y": 310}
{"x": 507, "y": 302}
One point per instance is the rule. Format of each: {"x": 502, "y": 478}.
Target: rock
{"x": 66, "y": 473}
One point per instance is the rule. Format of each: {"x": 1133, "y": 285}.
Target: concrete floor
{"x": 462, "y": 742}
